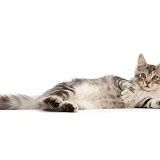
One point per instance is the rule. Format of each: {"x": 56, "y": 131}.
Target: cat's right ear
{"x": 141, "y": 62}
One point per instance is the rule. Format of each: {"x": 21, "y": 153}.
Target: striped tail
{"x": 20, "y": 102}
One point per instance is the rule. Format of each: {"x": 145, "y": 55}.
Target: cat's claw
{"x": 127, "y": 95}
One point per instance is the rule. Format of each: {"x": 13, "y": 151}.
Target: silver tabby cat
{"x": 143, "y": 91}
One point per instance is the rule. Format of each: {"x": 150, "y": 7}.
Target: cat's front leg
{"x": 127, "y": 95}
{"x": 122, "y": 83}
{"x": 127, "y": 88}
{"x": 154, "y": 103}
{"x": 147, "y": 102}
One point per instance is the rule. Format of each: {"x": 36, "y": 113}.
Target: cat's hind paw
{"x": 68, "y": 107}
{"x": 53, "y": 101}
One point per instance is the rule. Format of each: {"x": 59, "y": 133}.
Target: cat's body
{"x": 101, "y": 93}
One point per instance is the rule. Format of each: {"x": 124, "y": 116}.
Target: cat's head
{"x": 147, "y": 76}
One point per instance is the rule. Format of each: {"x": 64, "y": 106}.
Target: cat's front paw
{"x": 154, "y": 104}
{"x": 127, "y": 95}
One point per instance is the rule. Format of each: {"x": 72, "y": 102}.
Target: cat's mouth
{"x": 147, "y": 88}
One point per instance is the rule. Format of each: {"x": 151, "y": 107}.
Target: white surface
{"x": 46, "y": 42}
{"x": 103, "y": 134}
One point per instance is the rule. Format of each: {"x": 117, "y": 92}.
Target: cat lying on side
{"x": 101, "y": 93}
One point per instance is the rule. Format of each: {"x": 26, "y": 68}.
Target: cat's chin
{"x": 148, "y": 89}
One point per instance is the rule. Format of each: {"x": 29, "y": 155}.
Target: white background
{"x": 45, "y": 42}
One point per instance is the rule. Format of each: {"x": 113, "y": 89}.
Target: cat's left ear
{"x": 141, "y": 62}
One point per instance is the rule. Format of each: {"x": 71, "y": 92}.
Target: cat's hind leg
{"x": 58, "y": 98}
{"x": 58, "y": 105}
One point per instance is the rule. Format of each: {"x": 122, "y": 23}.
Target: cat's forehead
{"x": 150, "y": 68}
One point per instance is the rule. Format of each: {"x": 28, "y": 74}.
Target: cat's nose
{"x": 148, "y": 82}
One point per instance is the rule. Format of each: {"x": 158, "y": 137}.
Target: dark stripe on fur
{"x": 131, "y": 89}
{"x": 150, "y": 104}
{"x": 138, "y": 105}
{"x": 4, "y": 102}
{"x": 118, "y": 82}
{"x": 64, "y": 86}
{"x": 143, "y": 103}
{"x": 62, "y": 89}
{"x": 151, "y": 68}
{"x": 121, "y": 83}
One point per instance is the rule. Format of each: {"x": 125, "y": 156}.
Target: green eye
{"x": 143, "y": 75}
{"x": 155, "y": 77}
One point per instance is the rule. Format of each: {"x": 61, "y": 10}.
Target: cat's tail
{"x": 20, "y": 102}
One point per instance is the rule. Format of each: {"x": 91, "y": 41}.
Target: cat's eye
{"x": 143, "y": 75}
{"x": 155, "y": 77}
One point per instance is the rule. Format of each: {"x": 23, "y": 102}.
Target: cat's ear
{"x": 141, "y": 62}
{"x": 158, "y": 66}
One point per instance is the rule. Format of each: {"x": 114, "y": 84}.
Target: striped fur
{"x": 101, "y": 93}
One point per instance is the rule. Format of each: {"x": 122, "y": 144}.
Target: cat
{"x": 109, "y": 91}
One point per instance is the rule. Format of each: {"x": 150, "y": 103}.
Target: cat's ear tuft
{"x": 141, "y": 62}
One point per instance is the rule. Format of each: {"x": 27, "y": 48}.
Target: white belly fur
{"x": 90, "y": 96}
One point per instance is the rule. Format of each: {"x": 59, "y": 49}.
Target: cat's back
{"x": 93, "y": 86}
